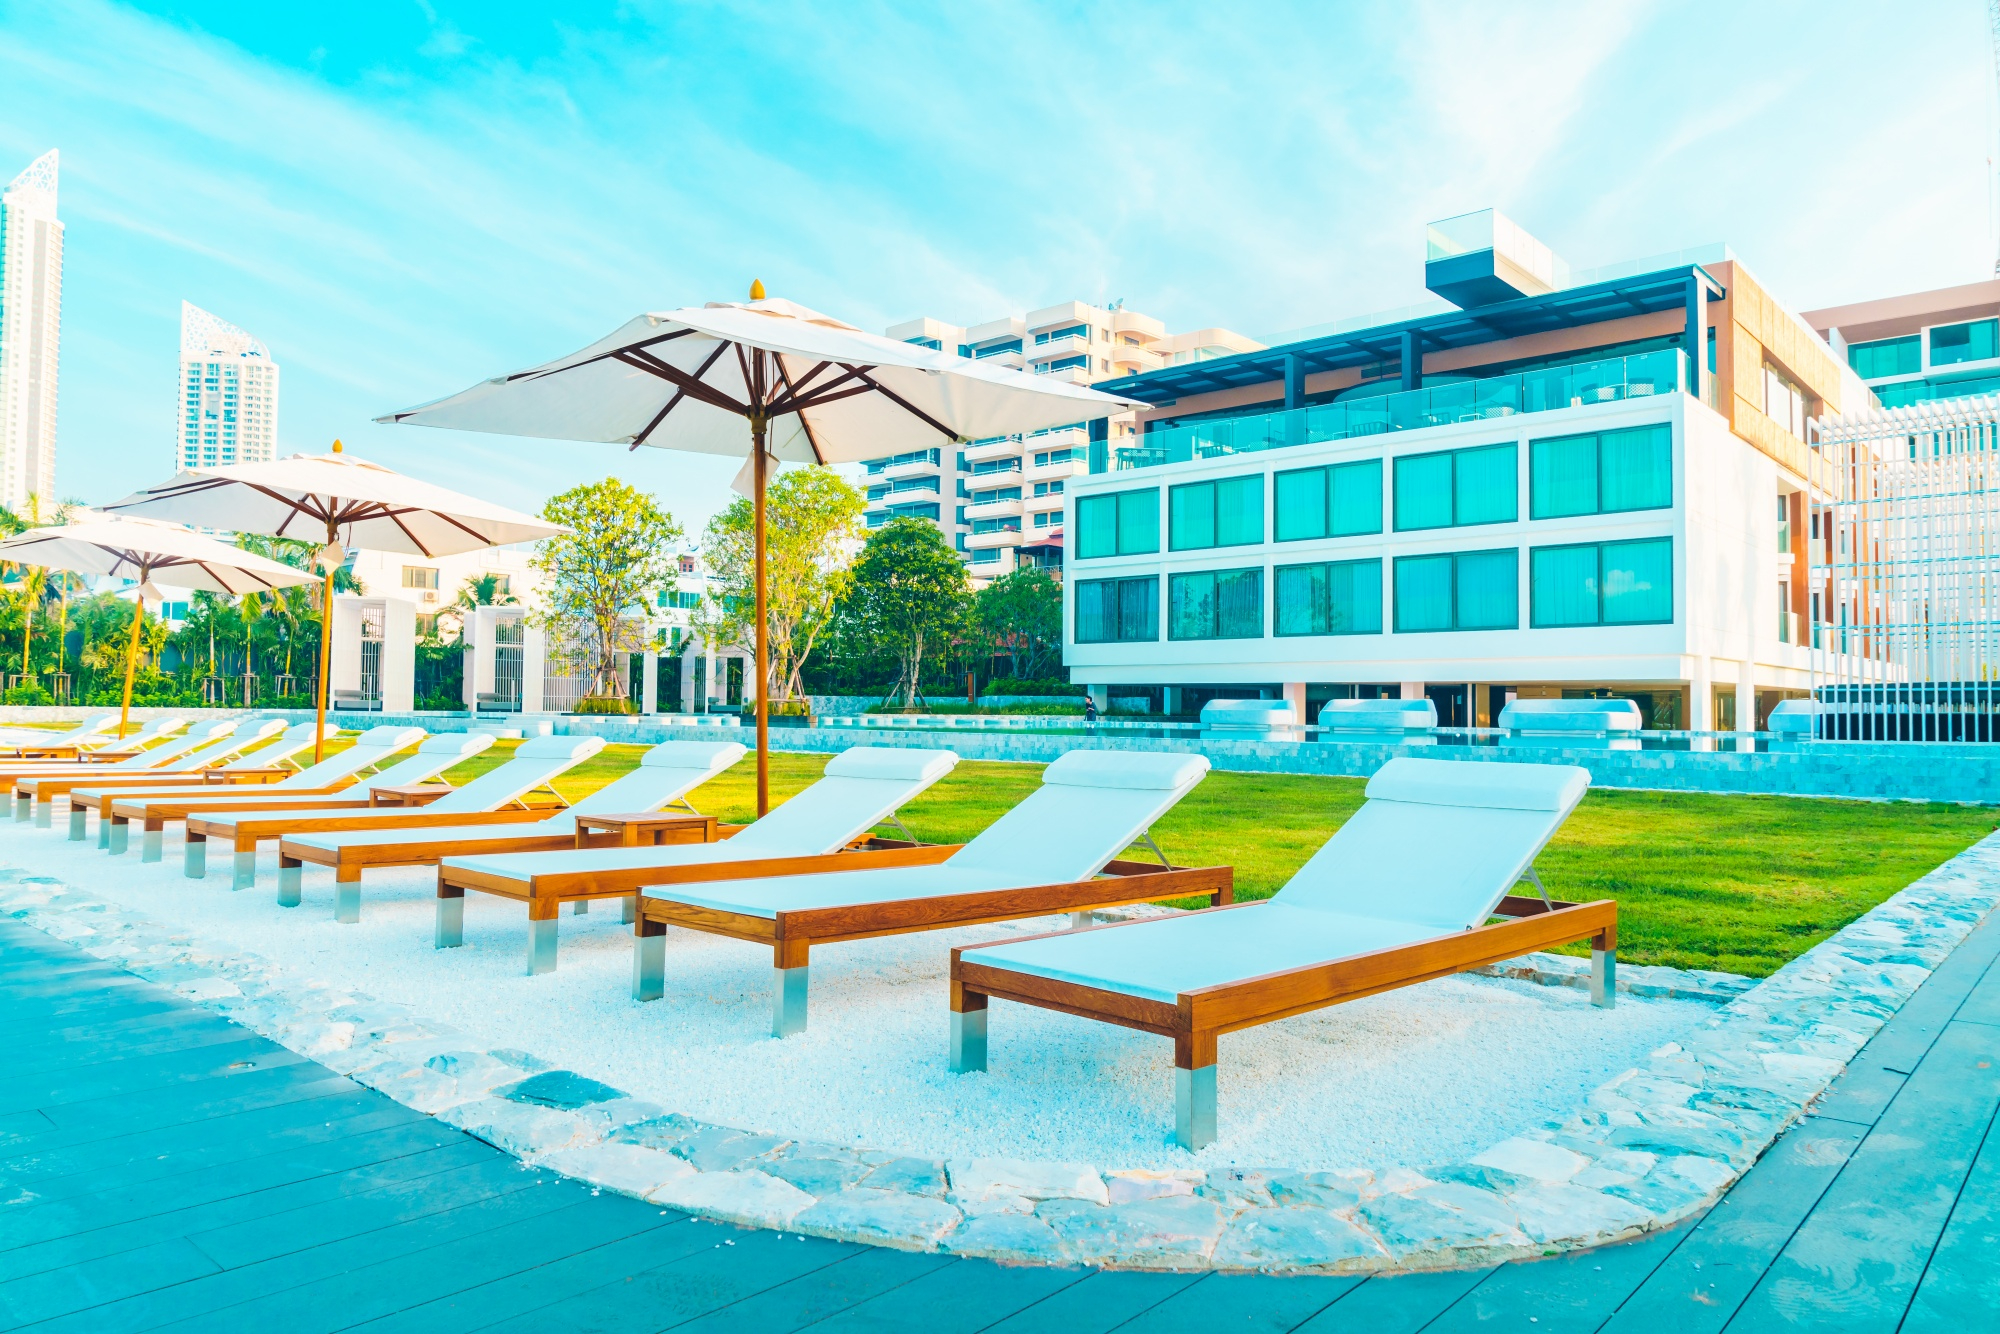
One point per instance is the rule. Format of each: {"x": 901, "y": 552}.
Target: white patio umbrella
{"x": 339, "y": 501}
{"x": 810, "y": 389}
{"x": 130, "y": 548}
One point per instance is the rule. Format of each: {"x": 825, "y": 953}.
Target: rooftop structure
{"x": 31, "y": 255}
{"x": 1000, "y": 500}
{"x": 228, "y": 401}
{"x": 1921, "y": 347}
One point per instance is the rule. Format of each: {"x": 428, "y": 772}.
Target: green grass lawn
{"x": 1741, "y": 884}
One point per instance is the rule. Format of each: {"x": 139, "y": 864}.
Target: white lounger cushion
{"x": 1064, "y": 832}
{"x": 538, "y": 760}
{"x": 647, "y": 788}
{"x": 433, "y": 757}
{"x": 1401, "y": 870}
{"x": 824, "y": 818}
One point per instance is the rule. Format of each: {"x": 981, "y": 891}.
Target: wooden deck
{"x": 162, "y": 1168}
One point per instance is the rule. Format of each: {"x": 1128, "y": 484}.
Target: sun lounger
{"x": 266, "y": 768}
{"x": 860, "y": 789}
{"x": 232, "y": 741}
{"x": 1042, "y": 857}
{"x": 126, "y": 756}
{"x": 666, "y": 774}
{"x": 253, "y": 817}
{"x": 172, "y": 754}
{"x": 327, "y": 783}
{"x": 1401, "y": 894}
{"x": 495, "y": 797}
{"x": 19, "y": 742}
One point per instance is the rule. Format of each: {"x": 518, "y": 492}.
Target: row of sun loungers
{"x": 1420, "y": 883}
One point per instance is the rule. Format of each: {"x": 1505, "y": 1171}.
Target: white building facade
{"x": 31, "y": 262}
{"x": 228, "y": 403}
{"x": 1000, "y": 500}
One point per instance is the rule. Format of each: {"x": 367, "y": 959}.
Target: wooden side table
{"x": 413, "y": 794}
{"x": 645, "y": 829}
{"x": 267, "y": 774}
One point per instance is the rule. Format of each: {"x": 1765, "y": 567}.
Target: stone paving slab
{"x": 1650, "y": 1149}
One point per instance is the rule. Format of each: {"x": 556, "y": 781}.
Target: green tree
{"x": 618, "y": 552}
{"x": 909, "y": 596}
{"x": 812, "y": 527}
{"x": 1020, "y": 614}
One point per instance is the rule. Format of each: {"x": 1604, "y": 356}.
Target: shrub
{"x": 1008, "y": 685}
{"x": 28, "y": 694}
{"x": 602, "y": 704}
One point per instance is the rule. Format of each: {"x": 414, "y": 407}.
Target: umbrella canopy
{"x": 809, "y": 388}
{"x": 687, "y": 379}
{"x": 336, "y": 499}
{"x": 139, "y": 549}
{"x": 341, "y": 502}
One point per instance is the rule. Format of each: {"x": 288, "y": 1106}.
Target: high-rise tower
{"x": 31, "y": 240}
{"x": 229, "y": 394}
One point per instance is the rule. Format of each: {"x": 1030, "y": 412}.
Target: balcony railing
{"x": 1645, "y": 374}
{"x": 876, "y": 466}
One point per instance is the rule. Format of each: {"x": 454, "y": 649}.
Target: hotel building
{"x": 228, "y": 405}
{"x": 1000, "y": 500}
{"x": 1555, "y": 485}
{"x": 1922, "y": 347}
{"x": 31, "y": 255}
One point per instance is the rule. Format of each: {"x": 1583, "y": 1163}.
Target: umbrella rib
{"x": 617, "y": 353}
{"x": 749, "y": 386}
{"x": 819, "y": 455}
{"x": 904, "y": 403}
{"x": 799, "y": 396}
{"x": 675, "y": 401}
{"x": 676, "y": 376}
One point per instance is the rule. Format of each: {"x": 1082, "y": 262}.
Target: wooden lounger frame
{"x": 791, "y": 935}
{"x": 1196, "y": 1018}
{"x": 350, "y": 860}
{"x": 323, "y": 815}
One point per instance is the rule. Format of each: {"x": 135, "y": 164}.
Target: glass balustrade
{"x": 1648, "y": 373}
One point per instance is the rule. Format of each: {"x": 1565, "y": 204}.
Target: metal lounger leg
{"x": 152, "y": 845}
{"x": 291, "y": 881}
{"x": 649, "y": 967}
{"x": 1604, "y": 978}
{"x": 244, "y": 876}
{"x": 580, "y": 908}
{"x": 968, "y": 1040}
{"x": 788, "y": 1000}
{"x": 121, "y": 838}
{"x": 104, "y": 833}
{"x": 45, "y": 814}
{"x": 347, "y": 901}
{"x": 450, "y": 922}
{"x": 628, "y": 909}
{"x": 194, "y": 857}
{"x": 1194, "y": 1107}
{"x": 541, "y": 946}
{"x": 1080, "y": 919}
{"x": 79, "y": 823}
{"x": 23, "y": 807}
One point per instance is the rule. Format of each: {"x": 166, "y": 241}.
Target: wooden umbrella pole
{"x": 325, "y": 659}
{"x": 132, "y": 655}
{"x": 757, "y": 428}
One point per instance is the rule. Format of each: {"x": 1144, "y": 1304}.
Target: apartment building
{"x": 227, "y": 404}
{"x": 31, "y": 270}
{"x": 1553, "y": 485}
{"x": 1000, "y": 500}
{"x": 1921, "y": 347}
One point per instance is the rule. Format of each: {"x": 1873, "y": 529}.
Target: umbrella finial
{"x": 756, "y": 289}
{"x": 336, "y": 446}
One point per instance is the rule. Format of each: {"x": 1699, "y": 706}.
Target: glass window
{"x": 1468, "y": 590}
{"x": 1338, "y": 501}
{"x": 1124, "y": 523}
{"x": 1890, "y": 356}
{"x": 1784, "y": 402}
{"x": 1610, "y": 583}
{"x": 1607, "y": 473}
{"x": 1111, "y": 611}
{"x": 1953, "y": 343}
{"x": 1455, "y": 488}
{"x": 1336, "y": 598}
{"x": 1216, "y": 604}
{"x": 1225, "y": 513}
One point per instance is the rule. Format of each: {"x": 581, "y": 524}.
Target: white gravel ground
{"x": 1427, "y": 1074}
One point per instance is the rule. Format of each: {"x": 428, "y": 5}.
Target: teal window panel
{"x": 1191, "y": 516}
{"x": 1356, "y": 505}
{"x": 1216, "y": 604}
{"x": 1097, "y": 526}
{"x": 1887, "y": 356}
{"x": 1608, "y": 583}
{"x": 1638, "y": 582}
{"x": 1488, "y": 590}
{"x": 1978, "y": 340}
{"x": 1423, "y": 593}
{"x": 1138, "y": 522}
{"x": 1562, "y": 586}
{"x": 1485, "y": 485}
{"x": 1331, "y": 598}
{"x": 1299, "y": 504}
{"x": 1111, "y": 611}
{"x": 1343, "y": 500}
{"x": 1224, "y": 513}
{"x": 1636, "y": 469}
{"x": 1423, "y": 492}
{"x": 1562, "y": 477}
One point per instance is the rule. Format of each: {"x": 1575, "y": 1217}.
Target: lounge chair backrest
{"x": 433, "y": 757}
{"x": 537, "y": 761}
{"x": 294, "y": 739}
{"x": 373, "y": 746}
{"x": 666, "y": 773}
{"x": 170, "y": 752}
{"x": 229, "y": 744}
{"x": 1090, "y": 807}
{"x": 860, "y": 789}
{"x": 1439, "y": 842}
{"x": 151, "y": 732}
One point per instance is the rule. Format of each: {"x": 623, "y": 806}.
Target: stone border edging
{"x": 1649, "y": 1149}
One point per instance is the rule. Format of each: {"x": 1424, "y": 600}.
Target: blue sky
{"x": 403, "y": 198}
